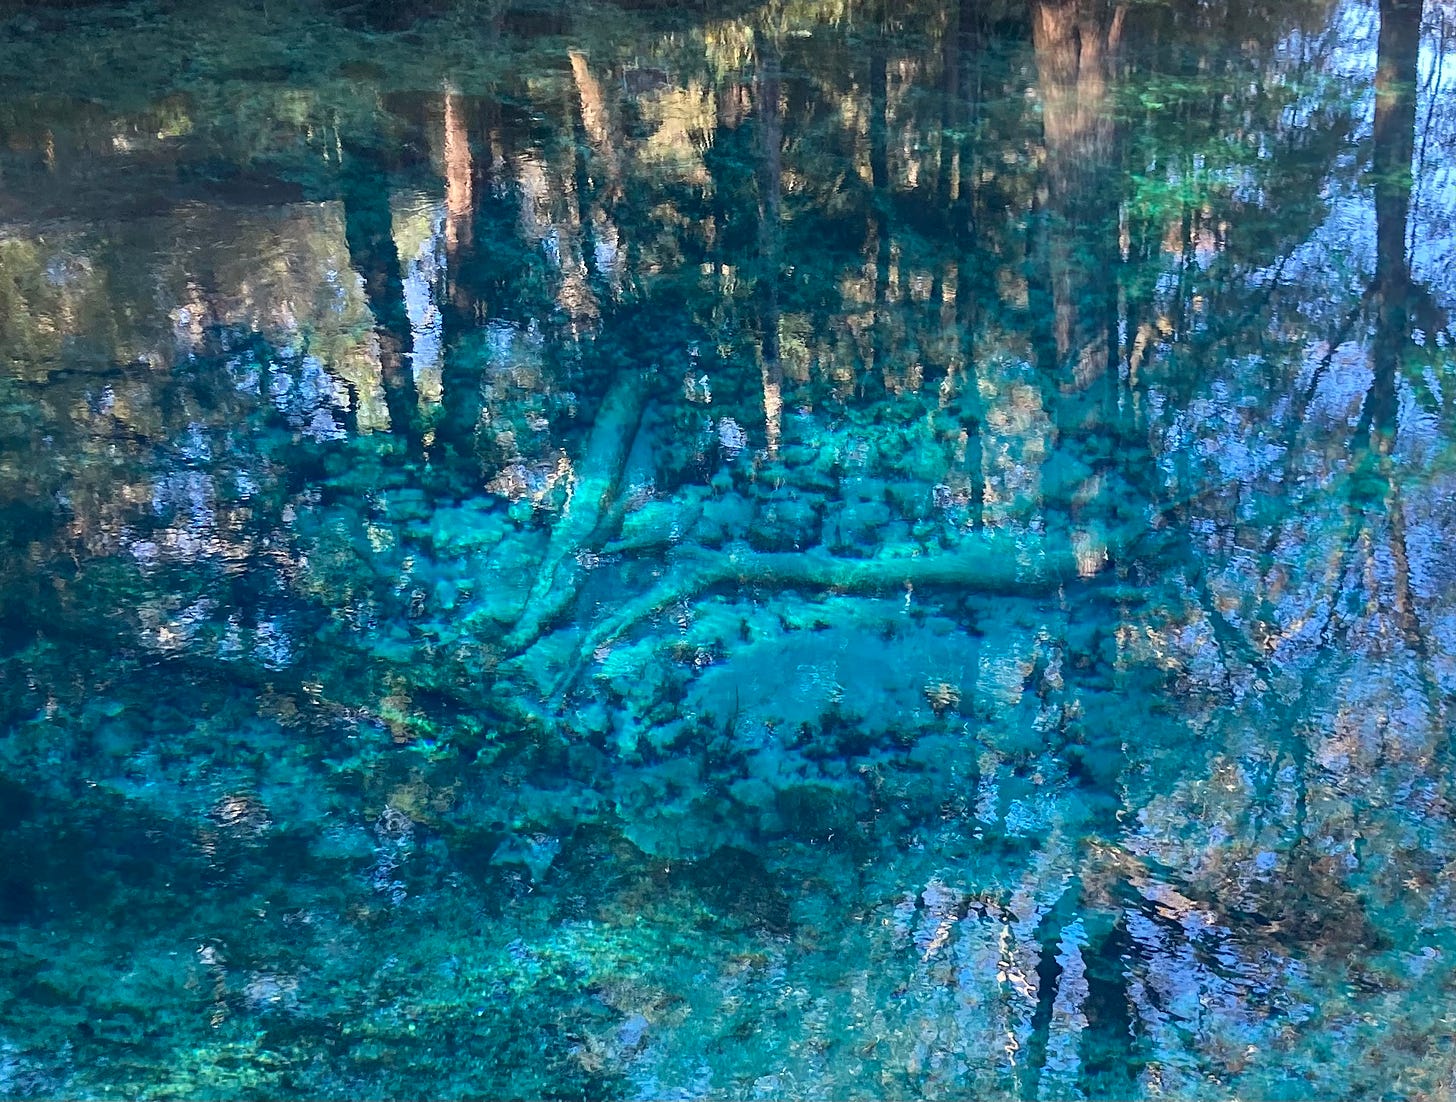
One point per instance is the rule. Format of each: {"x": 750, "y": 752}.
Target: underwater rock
{"x": 632, "y": 1033}
{"x": 910, "y": 500}
{"x": 785, "y": 524}
{"x": 737, "y": 884}
{"x": 406, "y": 504}
{"x": 466, "y": 529}
{"x": 856, "y": 528}
{"x": 534, "y": 851}
{"x": 816, "y": 811}
{"x": 724, "y": 518}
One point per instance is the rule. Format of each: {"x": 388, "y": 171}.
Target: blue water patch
{"x": 825, "y": 551}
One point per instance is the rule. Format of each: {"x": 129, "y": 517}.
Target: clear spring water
{"x": 806, "y": 550}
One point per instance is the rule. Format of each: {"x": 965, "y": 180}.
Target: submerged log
{"x": 599, "y": 474}
{"x": 984, "y": 565}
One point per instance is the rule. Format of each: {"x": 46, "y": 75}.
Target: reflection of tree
{"x": 770, "y": 205}
{"x": 1391, "y": 291}
{"x": 1076, "y": 46}
{"x": 1393, "y": 146}
{"x": 368, "y": 226}
{"x": 1329, "y": 630}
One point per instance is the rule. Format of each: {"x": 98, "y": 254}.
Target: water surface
{"x": 805, "y": 550}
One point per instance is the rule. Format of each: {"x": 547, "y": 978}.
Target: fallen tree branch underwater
{"x": 985, "y": 565}
{"x": 598, "y": 478}
{"x": 988, "y": 563}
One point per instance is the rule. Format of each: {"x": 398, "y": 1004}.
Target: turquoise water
{"x": 805, "y": 550}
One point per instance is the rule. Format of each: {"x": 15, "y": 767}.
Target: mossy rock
{"x": 785, "y": 524}
{"x": 856, "y": 528}
{"x": 723, "y": 520}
